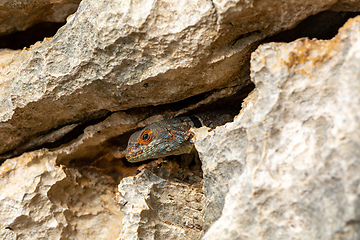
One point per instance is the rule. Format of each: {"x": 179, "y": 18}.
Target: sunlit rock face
{"x": 286, "y": 168}
{"x": 296, "y": 142}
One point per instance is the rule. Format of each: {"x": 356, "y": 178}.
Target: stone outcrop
{"x": 285, "y": 168}
{"x": 163, "y": 201}
{"x": 21, "y": 14}
{"x": 41, "y": 200}
{"x": 296, "y": 145}
{"x": 116, "y": 56}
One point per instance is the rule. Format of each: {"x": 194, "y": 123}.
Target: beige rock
{"x": 296, "y": 145}
{"x": 346, "y": 5}
{"x": 40, "y": 200}
{"x": 254, "y": 16}
{"x": 286, "y": 168}
{"x": 22, "y": 14}
{"x": 117, "y": 55}
{"x": 161, "y": 202}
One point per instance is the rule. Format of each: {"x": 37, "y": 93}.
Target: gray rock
{"x": 286, "y": 168}
{"x": 113, "y": 56}
{"x": 300, "y": 132}
{"x": 40, "y": 200}
{"x": 223, "y": 158}
{"x": 165, "y": 205}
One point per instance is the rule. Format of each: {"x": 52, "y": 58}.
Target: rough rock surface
{"x": 286, "y": 168}
{"x": 162, "y": 202}
{"x": 117, "y": 55}
{"x": 296, "y": 145}
{"x": 40, "y": 200}
{"x": 21, "y": 14}
{"x": 223, "y": 154}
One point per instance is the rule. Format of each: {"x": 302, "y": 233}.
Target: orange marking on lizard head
{"x": 172, "y": 136}
{"x": 145, "y": 137}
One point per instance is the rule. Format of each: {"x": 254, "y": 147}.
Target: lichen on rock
{"x": 301, "y": 138}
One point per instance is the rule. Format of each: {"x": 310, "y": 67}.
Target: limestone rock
{"x": 117, "y": 55}
{"x": 161, "y": 202}
{"x": 286, "y": 168}
{"x": 22, "y": 14}
{"x": 346, "y": 5}
{"x": 223, "y": 159}
{"x": 40, "y": 200}
{"x": 295, "y": 143}
{"x": 252, "y": 16}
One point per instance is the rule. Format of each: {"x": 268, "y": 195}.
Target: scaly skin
{"x": 170, "y": 136}
{"x": 160, "y": 139}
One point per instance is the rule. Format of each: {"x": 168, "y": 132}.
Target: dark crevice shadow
{"x": 27, "y": 146}
{"x": 118, "y": 143}
{"x": 19, "y": 40}
{"x": 324, "y": 25}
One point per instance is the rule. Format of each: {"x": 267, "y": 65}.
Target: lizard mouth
{"x": 139, "y": 155}
{"x": 133, "y": 155}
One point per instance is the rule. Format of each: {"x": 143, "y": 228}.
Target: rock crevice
{"x": 286, "y": 167}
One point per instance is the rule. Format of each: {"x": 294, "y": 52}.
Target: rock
{"x": 223, "y": 159}
{"x": 245, "y": 17}
{"x": 115, "y": 56}
{"x": 22, "y": 14}
{"x": 120, "y": 69}
{"x": 161, "y": 202}
{"x": 40, "y": 200}
{"x": 295, "y": 144}
{"x": 94, "y": 141}
{"x": 346, "y": 5}
{"x": 286, "y": 168}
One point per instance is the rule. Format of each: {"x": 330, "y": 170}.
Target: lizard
{"x": 170, "y": 136}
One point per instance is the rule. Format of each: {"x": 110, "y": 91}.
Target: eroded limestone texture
{"x": 116, "y": 55}
{"x": 40, "y": 200}
{"x": 297, "y": 140}
{"x": 286, "y": 168}
{"x": 162, "y": 202}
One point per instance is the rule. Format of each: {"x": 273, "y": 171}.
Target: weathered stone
{"x": 22, "y": 14}
{"x": 39, "y": 200}
{"x": 92, "y": 143}
{"x": 295, "y": 143}
{"x": 114, "y": 55}
{"x": 286, "y": 168}
{"x": 346, "y": 5}
{"x": 223, "y": 159}
{"x": 167, "y": 205}
{"x": 243, "y": 17}
{"x": 112, "y": 133}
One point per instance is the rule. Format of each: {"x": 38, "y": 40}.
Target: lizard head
{"x": 160, "y": 139}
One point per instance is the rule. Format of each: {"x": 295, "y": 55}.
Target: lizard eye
{"x": 145, "y": 137}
